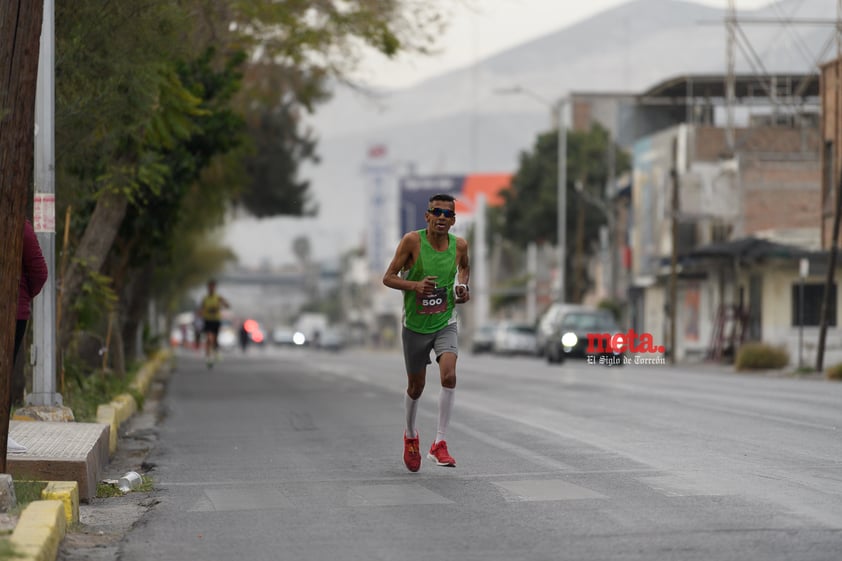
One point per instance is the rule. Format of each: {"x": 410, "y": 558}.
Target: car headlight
{"x": 569, "y": 339}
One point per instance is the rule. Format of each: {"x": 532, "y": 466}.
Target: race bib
{"x": 434, "y": 303}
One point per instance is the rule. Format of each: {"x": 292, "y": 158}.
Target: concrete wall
{"x": 772, "y": 189}
{"x": 777, "y": 318}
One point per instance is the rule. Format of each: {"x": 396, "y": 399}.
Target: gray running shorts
{"x": 417, "y": 346}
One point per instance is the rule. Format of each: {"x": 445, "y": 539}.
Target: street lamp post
{"x": 557, "y": 110}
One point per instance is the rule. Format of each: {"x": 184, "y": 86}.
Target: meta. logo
{"x": 630, "y": 341}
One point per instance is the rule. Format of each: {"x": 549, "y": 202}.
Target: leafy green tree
{"x": 530, "y": 210}
{"x": 151, "y": 231}
{"x": 158, "y": 133}
{"x": 278, "y": 146}
{"x": 112, "y": 76}
{"x": 296, "y": 50}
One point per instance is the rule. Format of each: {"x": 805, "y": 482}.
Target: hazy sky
{"x": 473, "y": 35}
{"x": 492, "y": 26}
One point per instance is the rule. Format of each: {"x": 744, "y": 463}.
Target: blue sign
{"x": 415, "y": 193}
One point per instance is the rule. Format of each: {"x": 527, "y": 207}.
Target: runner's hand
{"x": 463, "y": 293}
{"x": 426, "y": 286}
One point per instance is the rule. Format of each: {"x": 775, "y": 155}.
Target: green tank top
{"x": 428, "y": 314}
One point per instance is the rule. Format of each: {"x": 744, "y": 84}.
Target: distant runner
{"x": 211, "y": 312}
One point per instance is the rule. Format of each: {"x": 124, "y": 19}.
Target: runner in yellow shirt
{"x": 211, "y": 312}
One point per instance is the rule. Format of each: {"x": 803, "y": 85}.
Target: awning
{"x": 747, "y": 248}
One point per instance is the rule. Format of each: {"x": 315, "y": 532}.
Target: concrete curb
{"x": 43, "y": 524}
{"x": 68, "y": 493}
{"x": 122, "y": 407}
{"x": 39, "y": 531}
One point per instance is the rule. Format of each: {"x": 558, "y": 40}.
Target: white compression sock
{"x": 445, "y": 407}
{"x": 411, "y": 406}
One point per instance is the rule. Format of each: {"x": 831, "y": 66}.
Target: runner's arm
{"x": 463, "y": 274}
{"x": 402, "y": 260}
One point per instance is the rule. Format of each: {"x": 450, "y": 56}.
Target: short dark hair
{"x": 443, "y": 197}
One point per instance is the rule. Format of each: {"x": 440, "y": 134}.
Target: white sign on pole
{"x": 44, "y": 215}
{"x": 804, "y": 268}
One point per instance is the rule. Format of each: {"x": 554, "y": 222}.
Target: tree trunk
{"x": 116, "y": 350}
{"x": 91, "y": 254}
{"x": 135, "y": 307}
{"x": 20, "y": 36}
{"x": 18, "y": 383}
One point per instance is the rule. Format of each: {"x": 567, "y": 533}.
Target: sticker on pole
{"x": 44, "y": 217}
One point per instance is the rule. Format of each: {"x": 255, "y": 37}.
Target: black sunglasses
{"x": 442, "y": 212}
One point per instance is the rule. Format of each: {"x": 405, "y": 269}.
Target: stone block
{"x": 61, "y": 452}
{"x": 53, "y": 413}
{"x": 8, "y": 499}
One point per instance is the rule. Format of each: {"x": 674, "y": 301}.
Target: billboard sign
{"x": 416, "y": 190}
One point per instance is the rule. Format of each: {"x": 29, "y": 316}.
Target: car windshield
{"x": 525, "y": 329}
{"x": 585, "y": 321}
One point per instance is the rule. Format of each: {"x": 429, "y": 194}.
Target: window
{"x": 813, "y": 297}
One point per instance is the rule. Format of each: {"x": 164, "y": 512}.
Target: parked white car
{"x": 513, "y": 338}
{"x": 483, "y": 339}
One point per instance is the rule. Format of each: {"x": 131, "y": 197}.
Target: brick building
{"x": 739, "y": 188}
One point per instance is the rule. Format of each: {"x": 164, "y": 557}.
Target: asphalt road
{"x": 296, "y": 455}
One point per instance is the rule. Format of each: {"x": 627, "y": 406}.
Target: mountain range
{"x": 461, "y": 122}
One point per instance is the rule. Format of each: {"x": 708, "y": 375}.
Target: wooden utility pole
{"x": 20, "y": 35}
{"x": 837, "y": 174}
{"x": 673, "y": 282}
{"x": 731, "y": 77}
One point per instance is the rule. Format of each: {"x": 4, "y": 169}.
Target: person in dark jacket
{"x": 32, "y": 279}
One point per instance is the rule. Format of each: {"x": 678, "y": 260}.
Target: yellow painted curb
{"x": 124, "y": 407}
{"x": 107, "y": 415}
{"x": 39, "y": 530}
{"x": 68, "y": 493}
{"x": 144, "y": 377}
{"x": 43, "y": 524}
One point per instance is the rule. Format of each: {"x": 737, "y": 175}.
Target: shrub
{"x": 834, "y": 372}
{"x": 613, "y": 306}
{"x": 761, "y": 356}
{"x": 85, "y": 390}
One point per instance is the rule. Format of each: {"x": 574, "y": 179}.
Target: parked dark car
{"x": 570, "y": 338}
{"x": 550, "y": 320}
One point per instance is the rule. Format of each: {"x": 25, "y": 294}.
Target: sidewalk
{"x": 38, "y": 532}
{"x": 729, "y": 369}
{"x": 103, "y": 522}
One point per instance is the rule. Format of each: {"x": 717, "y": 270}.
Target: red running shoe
{"x": 439, "y": 454}
{"x": 411, "y": 453}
